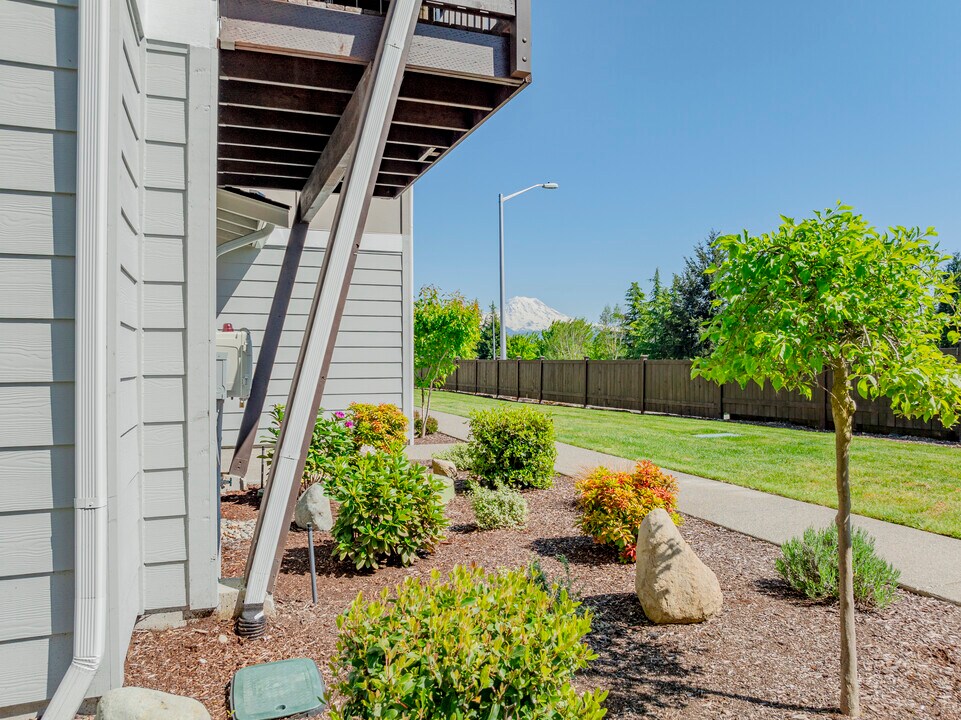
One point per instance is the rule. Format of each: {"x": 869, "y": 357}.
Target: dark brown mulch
{"x": 437, "y": 438}
{"x": 767, "y": 655}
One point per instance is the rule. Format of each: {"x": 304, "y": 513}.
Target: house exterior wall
{"x": 38, "y": 155}
{"x": 161, "y": 270}
{"x": 372, "y": 359}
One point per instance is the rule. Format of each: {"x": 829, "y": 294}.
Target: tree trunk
{"x": 426, "y": 414}
{"x": 423, "y": 405}
{"x": 843, "y": 408}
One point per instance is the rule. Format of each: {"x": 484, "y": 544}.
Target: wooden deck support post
{"x": 323, "y": 322}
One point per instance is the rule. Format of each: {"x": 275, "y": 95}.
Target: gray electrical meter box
{"x": 235, "y": 364}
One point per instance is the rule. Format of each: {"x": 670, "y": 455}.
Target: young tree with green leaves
{"x": 524, "y": 347}
{"x": 446, "y": 327}
{"x": 609, "y": 342}
{"x": 831, "y": 293}
{"x": 691, "y": 302}
{"x": 568, "y": 339}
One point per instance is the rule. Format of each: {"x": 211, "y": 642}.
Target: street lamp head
{"x": 550, "y": 186}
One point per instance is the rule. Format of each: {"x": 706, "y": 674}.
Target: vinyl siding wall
{"x": 368, "y": 364}
{"x": 38, "y": 156}
{"x": 178, "y": 316}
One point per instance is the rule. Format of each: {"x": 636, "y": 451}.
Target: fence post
{"x": 587, "y": 376}
{"x": 457, "y": 376}
{"x": 518, "y": 378}
{"x": 643, "y": 383}
{"x": 540, "y": 384}
{"x": 497, "y": 378}
{"x": 720, "y": 401}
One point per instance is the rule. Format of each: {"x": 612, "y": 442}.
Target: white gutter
{"x": 90, "y": 493}
{"x": 257, "y": 238}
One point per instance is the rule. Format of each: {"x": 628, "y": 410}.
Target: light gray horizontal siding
{"x": 165, "y": 585}
{"x": 38, "y": 168}
{"x": 367, "y": 363}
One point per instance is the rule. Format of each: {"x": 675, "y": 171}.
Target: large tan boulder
{"x": 672, "y": 583}
{"x": 131, "y": 703}
{"x": 313, "y": 507}
{"x": 445, "y": 468}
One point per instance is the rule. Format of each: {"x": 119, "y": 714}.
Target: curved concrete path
{"x": 930, "y": 564}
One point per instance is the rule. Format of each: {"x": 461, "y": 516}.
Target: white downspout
{"x": 90, "y": 494}
{"x": 257, "y": 238}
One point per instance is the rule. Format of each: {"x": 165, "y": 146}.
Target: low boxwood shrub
{"x": 513, "y": 447}
{"x": 611, "y": 505}
{"x": 809, "y": 564}
{"x": 332, "y": 441}
{"x": 458, "y": 454}
{"x": 432, "y": 426}
{"x": 498, "y": 508}
{"x": 382, "y": 427}
{"x": 471, "y": 646}
{"x": 390, "y": 509}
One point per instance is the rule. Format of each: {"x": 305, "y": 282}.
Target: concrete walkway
{"x": 929, "y": 563}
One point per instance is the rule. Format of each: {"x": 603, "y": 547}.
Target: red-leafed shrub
{"x": 612, "y": 505}
{"x": 382, "y": 427}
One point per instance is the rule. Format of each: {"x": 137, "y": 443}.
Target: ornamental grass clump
{"x": 419, "y": 430}
{"x": 512, "y": 447}
{"x": 611, "y": 505}
{"x": 498, "y": 508}
{"x": 390, "y": 510}
{"x": 471, "y": 646}
{"x": 382, "y": 427}
{"x": 809, "y": 564}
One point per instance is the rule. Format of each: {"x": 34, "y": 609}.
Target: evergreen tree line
{"x": 664, "y": 323}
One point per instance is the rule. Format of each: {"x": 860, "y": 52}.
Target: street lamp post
{"x": 501, "y": 199}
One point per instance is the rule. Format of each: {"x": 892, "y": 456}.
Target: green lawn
{"x": 911, "y": 483}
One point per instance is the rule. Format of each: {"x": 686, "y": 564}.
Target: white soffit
{"x": 243, "y": 214}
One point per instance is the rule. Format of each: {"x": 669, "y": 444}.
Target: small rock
{"x": 314, "y": 507}
{"x": 448, "y": 493}
{"x": 131, "y": 703}
{"x": 672, "y": 583}
{"x": 223, "y": 639}
{"x": 445, "y": 468}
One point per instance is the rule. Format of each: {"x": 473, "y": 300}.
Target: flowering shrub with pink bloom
{"x": 332, "y": 440}
{"x": 612, "y": 505}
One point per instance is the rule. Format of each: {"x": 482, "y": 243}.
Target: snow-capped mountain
{"x": 526, "y": 314}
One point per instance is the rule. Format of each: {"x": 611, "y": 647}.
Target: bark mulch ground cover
{"x": 767, "y": 655}
{"x": 437, "y": 438}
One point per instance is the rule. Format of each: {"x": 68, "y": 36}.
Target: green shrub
{"x": 332, "y": 441}
{"x": 472, "y": 646}
{"x": 501, "y": 508}
{"x": 389, "y": 509}
{"x": 612, "y": 505}
{"x": 458, "y": 454}
{"x": 382, "y": 427}
{"x": 810, "y": 565}
{"x": 432, "y": 426}
{"x": 513, "y": 447}
{"x": 555, "y": 586}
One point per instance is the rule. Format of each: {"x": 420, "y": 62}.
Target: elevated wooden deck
{"x": 289, "y": 69}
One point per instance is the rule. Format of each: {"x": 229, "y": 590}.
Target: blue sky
{"x": 662, "y": 119}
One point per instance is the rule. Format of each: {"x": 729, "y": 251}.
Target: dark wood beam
{"x": 260, "y": 119}
{"x": 422, "y": 137}
{"x": 267, "y": 155}
{"x": 278, "y": 97}
{"x": 271, "y": 139}
{"x": 250, "y": 167}
{"x": 436, "y": 116}
{"x": 290, "y": 71}
{"x": 394, "y": 180}
{"x": 265, "y": 182}
{"x": 332, "y": 165}
{"x": 454, "y": 92}
{"x": 400, "y": 167}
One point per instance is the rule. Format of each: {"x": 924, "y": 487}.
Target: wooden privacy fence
{"x": 666, "y": 386}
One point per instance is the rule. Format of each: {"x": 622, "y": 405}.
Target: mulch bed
{"x": 767, "y": 655}
{"x": 437, "y": 438}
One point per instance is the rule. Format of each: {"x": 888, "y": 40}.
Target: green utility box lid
{"x": 277, "y": 690}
